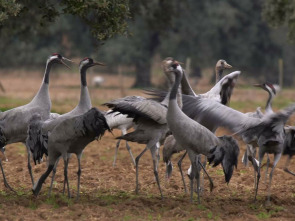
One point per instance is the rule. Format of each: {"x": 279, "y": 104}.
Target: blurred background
{"x": 197, "y": 32}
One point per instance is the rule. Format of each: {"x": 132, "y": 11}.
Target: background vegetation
{"x": 251, "y": 35}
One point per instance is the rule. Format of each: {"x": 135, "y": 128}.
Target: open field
{"x": 107, "y": 193}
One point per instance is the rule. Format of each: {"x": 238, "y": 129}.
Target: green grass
{"x": 52, "y": 201}
{"x": 219, "y": 172}
{"x": 210, "y": 215}
{"x": 263, "y": 215}
{"x": 33, "y": 205}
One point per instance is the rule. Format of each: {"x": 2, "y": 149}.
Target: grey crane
{"x": 38, "y": 130}
{"x": 14, "y": 122}
{"x": 197, "y": 139}
{"x": 72, "y": 135}
{"x": 122, "y": 122}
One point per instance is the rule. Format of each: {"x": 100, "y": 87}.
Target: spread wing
{"x": 139, "y": 107}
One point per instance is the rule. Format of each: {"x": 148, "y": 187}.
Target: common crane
{"x": 14, "y": 122}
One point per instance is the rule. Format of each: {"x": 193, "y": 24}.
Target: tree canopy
{"x": 105, "y": 18}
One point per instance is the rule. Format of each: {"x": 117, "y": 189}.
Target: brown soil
{"x": 107, "y": 193}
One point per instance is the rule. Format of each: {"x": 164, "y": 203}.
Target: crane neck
{"x": 85, "y": 99}
{"x": 47, "y": 72}
{"x": 186, "y": 87}
{"x": 268, "y": 106}
{"x": 83, "y": 76}
{"x": 173, "y": 93}
{"x": 42, "y": 96}
{"x": 219, "y": 73}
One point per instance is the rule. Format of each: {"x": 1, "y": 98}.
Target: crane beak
{"x": 258, "y": 85}
{"x": 63, "y": 58}
{"x": 98, "y": 63}
{"x": 62, "y": 62}
{"x": 228, "y": 66}
{"x": 180, "y": 62}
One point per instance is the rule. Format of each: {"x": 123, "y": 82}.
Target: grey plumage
{"x": 72, "y": 135}
{"x": 14, "y": 122}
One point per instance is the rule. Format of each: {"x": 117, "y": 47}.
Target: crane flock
{"x": 179, "y": 118}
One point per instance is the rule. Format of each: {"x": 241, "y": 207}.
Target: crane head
{"x": 57, "y": 58}
{"x": 222, "y": 64}
{"x": 269, "y": 87}
{"x": 88, "y": 62}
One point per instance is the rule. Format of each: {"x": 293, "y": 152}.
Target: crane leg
{"x": 29, "y": 165}
{"x": 37, "y": 187}
{"x": 210, "y": 180}
{"x": 136, "y": 167}
{"x": 202, "y": 174}
{"x": 179, "y": 163}
{"x": 53, "y": 176}
{"x": 267, "y": 166}
{"x": 155, "y": 153}
{"x": 116, "y": 152}
{"x": 245, "y": 157}
{"x": 197, "y": 177}
{"x": 129, "y": 150}
{"x": 192, "y": 177}
{"x": 4, "y": 178}
{"x": 66, "y": 181}
{"x": 79, "y": 175}
{"x": 287, "y": 164}
{"x": 276, "y": 160}
{"x": 261, "y": 155}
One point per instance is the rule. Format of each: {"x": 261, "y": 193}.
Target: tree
{"x": 281, "y": 12}
{"x": 205, "y": 31}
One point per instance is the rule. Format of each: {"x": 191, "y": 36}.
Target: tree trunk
{"x": 143, "y": 74}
